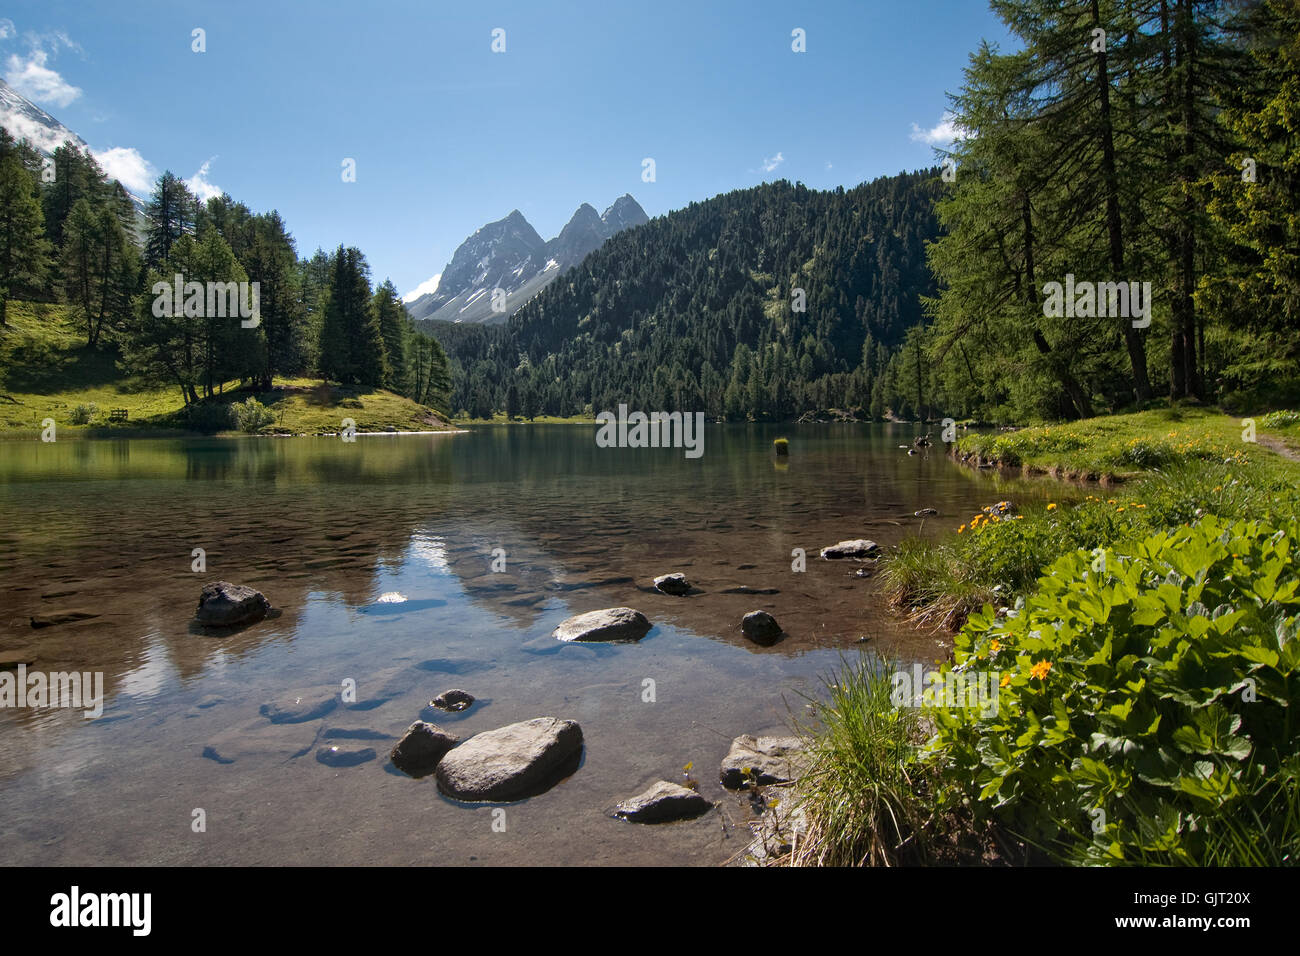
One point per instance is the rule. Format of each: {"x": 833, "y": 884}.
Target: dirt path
{"x": 1279, "y": 446}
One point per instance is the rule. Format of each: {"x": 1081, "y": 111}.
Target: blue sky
{"x": 448, "y": 135}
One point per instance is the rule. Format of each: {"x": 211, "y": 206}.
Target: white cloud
{"x": 424, "y": 288}
{"x": 201, "y": 186}
{"x": 828, "y": 165}
{"x": 127, "y": 165}
{"x": 771, "y": 164}
{"x": 7, "y": 29}
{"x": 34, "y": 131}
{"x": 944, "y": 133}
{"x": 31, "y": 77}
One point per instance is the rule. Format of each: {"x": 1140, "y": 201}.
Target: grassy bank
{"x": 1142, "y": 642}
{"x": 47, "y": 371}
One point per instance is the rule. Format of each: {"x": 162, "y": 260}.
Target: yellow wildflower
{"x": 1040, "y": 669}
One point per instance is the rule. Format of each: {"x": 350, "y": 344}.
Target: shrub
{"x": 207, "y": 417}
{"x": 250, "y": 416}
{"x": 83, "y": 414}
{"x": 863, "y": 795}
{"x": 1145, "y": 712}
{"x": 1280, "y": 419}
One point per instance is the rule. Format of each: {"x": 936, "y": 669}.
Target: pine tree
{"x": 24, "y": 251}
{"x": 172, "y": 212}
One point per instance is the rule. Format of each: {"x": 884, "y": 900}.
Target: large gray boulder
{"x": 421, "y": 748}
{"x": 661, "y": 802}
{"x": 610, "y": 624}
{"x": 769, "y": 759}
{"x": 858, "y": 548}
{"x": 223, "y": 604}
{"x": 512, "y": 762}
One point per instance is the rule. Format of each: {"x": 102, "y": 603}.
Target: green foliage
{"x": 83, "y": 414}
{"x": 250, "y": 416}
{"x": 1158, "y": 689}
{"x": 1280, "y": 419}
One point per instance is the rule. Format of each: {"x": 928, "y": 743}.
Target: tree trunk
{"x": 1114, "y": 230}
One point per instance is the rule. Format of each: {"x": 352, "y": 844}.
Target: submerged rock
{"x": 769, "y": 759}
{"x": 858, "y": 548}
{"x": 610, "y": 624}
{"x": 298, "y": 708}
{"x": 760, "y": 626}
{"x": 69, "y": 616}
{"x": 223, "y": 604}
{"x": 421, "y": 748}
{"x": 453, "y": 700}
{"x": 334, "y": 756}
{"x": 675, "y": 583}
{"x": 512, "y": 762}
{"x": 662, "y": 802}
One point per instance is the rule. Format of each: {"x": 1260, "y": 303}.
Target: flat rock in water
{"x": 610, "y": 624}
{"x": 662, "y": 802}
{"x": 512, "y": 762}
{"x": 332, "y": 755}
{"x": 675, "y": 583}
{"x": 453, "y": 700}
{"x": 223, "y": 604}
{"x": 925, "y": 513}
{"x": 260, "y": 741}
{"x": 69, "y": 616}
{"x": 22, "y": 655}
{"x": 297, "y": 707}
{"x": 858, "y": 548}
{"x": 760, "y": 626}
{"x": 421, "y": 748}
{"x": 772, "y": 759}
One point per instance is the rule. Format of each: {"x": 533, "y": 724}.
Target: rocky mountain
{"x": 509, "y": 255}
{"x": 25, "y": 120}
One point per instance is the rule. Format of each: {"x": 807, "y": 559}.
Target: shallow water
{"x": 324, "y": 528}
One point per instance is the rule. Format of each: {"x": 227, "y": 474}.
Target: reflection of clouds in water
{"x": 151, "y": 674}
{"x": 431, "y": 549}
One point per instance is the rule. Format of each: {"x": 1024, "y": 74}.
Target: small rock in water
{"x": 858, "y": 548}
{"x": 512, "y": 762}
{"x": 662, "y": 802}
{"x": 223, "y": 604}
{"x": 454, "y": 700}
{"x": 392, "y": 597}
{"x": 335, "y": 756}
{"x": 421, "y": 748}
{"x": 674, "y": 583}
{"x": 768, "y": 760}
{"x": 925, "y": 512}
{"x": 610, "y": 624}
{"x": 760, "y": 626}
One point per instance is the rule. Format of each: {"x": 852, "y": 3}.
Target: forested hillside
{"x": 1131, "y": 145}
{"x": 69, "y": 235}
{"x": 764, "y": 303}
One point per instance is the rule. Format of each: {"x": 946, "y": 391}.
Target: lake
{"x": 97, "y": 541}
